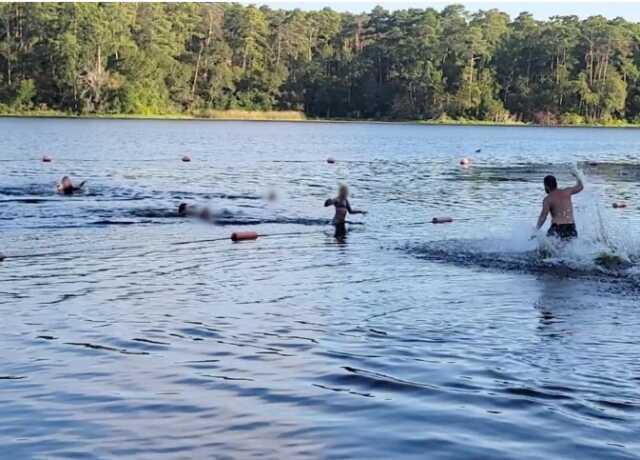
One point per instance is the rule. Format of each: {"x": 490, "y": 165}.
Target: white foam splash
{"x": 601, "y": 235}
{"x": 605, "y": 241}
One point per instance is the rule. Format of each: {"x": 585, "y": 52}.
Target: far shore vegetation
{"x": 291, "y": 116}
{"x": 226, "y": 61}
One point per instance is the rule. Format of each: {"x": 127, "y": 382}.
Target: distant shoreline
{"x": 299, "y": 117}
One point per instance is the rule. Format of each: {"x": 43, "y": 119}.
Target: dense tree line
{"x": 155, "y": 58}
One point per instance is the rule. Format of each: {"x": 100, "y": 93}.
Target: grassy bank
{"x": 239, "y": 115}
{"x": 291, "y": 115}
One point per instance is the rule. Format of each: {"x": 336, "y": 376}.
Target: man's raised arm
{"x": 579, "y": 186}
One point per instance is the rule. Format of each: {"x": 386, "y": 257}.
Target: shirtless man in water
{"x": 558, "y": 203}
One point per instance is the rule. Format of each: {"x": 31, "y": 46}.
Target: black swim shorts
{"x": 563, "y": 231}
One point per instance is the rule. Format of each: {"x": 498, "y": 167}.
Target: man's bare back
{"x": 560, "y": 206}
{"x": 558, "y": 203}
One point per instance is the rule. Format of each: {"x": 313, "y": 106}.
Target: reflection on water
{"x": 131, "y": 332}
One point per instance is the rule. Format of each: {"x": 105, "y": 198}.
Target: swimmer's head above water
{"x": 183, "y": 209}
{"x": 66, "y": 186}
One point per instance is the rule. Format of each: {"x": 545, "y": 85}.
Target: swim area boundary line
{"x": 140, "y": 246}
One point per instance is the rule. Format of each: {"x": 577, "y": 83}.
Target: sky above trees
{"x": 628, "y": 9}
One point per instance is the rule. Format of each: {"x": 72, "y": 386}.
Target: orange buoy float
{"x": 465, "y": 162}
{"x": 46, "y": 159}
{"x": 186, "y": 158}
{"x": 243, "y": 236}
{"x": 619, "y": 205}
{"x": 441, "y": 220}
{"x": 331, "y": 160}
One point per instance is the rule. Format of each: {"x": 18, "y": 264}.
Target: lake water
{"x": 409, "y": 340}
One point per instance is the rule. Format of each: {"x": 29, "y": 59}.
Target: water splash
{"x": 606, "y": 245}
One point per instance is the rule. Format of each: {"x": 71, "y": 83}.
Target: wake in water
{"x": 606, "y": 247}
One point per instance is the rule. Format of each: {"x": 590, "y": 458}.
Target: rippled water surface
{"x": 128, "y": 331}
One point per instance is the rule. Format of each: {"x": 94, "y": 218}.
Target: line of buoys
{"x": 243, "y": 236}
{"x": 46, "y": 159}
{"x": 331, "y": 160}
{"x": 235, "y": 237}
{"x": 441, "y": 220}
{"x": 619, "y": 205}
{"x": 186, "y": 158}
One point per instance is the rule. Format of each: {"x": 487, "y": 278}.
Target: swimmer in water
{"x": 188, "y": 210}
{"x": 66, "y": 187}
{"x": 558, "y": 203}
{"x": 184, "y": 210}
{"x": 343, "y": 207}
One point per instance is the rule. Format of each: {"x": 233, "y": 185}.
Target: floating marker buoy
{"x": 186, "y": 158}
{"x": 441, "y": 220}
{"x": 331, "y": 160}
{"x": 478, "y": 150}
{"x": 243, "y": 236}
{"x": 465, "y": 162}
{"x": 619, "y": 205}
{"x": 46, "y": 159}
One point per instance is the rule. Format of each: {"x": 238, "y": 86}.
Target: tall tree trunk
{"x": 8, "y": 49}
{"x": 195, "y": 73}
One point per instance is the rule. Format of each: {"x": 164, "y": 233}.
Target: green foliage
{"x": 420, "y": 64}
{"x": 24, "y": 96}
{"x": 571, "y": 119}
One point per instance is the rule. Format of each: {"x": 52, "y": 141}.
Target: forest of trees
{"x": 416, "y": 64}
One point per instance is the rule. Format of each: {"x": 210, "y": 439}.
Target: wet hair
{"x": 182, "y": 209}
{"x": 65, "y": 178}
{"x": 550, "y": 183}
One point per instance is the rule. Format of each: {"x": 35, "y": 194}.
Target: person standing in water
{"x": 558, "y": 203}
{"x": 341, "y": 203}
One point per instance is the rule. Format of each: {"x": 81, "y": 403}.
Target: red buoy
{"x": 619, "y": 205}
{"x": 186, "y": 158}
{"x": 46, "y": 159}
{"x": 441, "y": 220}
{"x": 331, "y": 160}
{"x": 244, "y": 236}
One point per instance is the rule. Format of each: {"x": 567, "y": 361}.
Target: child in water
{"x": 66, "y": 187}
{"x": 341, "y": 203}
